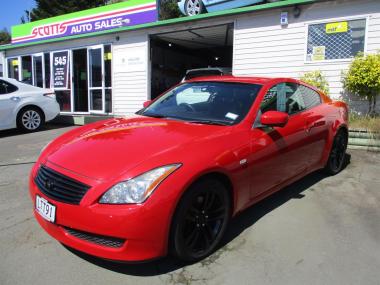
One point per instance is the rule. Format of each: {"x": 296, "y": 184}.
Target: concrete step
{"x": 80, "y": 120}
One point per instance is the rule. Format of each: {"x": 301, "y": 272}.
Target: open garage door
{"x": 172, "y": 54}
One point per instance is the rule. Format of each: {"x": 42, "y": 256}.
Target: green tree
{"x": 5, "y": 37}
{"x": 50, "y": 8}
{"x": 168, "y": 9}
{"x": 363, "y": 78}
{"x": 316, "y": 79}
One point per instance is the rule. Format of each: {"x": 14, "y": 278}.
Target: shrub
{"x": 316, "y": 79}
{"x": 363, "y": 78}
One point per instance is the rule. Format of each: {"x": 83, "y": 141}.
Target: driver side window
{"x": 283, "y": 97}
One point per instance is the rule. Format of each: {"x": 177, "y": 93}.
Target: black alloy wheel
{"x": 201, "y": 219}
{"x": 337, "y": 156}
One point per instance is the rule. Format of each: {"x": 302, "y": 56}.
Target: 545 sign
{"x": 60, "y": 60}
{"x": 61, "y": 70}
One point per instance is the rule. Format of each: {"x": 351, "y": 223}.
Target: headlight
{"x": 138, "y": 189}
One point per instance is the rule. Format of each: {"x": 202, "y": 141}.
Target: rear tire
{"x": 200, "y": 220}
{"x": 337, "y": 157}
{"x": 30, "y": 119}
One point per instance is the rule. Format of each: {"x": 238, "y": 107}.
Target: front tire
{"x": 30, "y": 119}
{"x": 200, "y": 221}
{"x": 194, "y": 7}
{"x": 337, "y": 157}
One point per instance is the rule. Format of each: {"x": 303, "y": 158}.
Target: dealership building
{"x": 109, "y": 60}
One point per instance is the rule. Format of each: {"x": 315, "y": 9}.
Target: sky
{"x": 12, "y": 10}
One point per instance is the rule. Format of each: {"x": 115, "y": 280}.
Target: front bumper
{"x": 143, "y": 227}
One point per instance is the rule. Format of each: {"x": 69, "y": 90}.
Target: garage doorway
{"x": 172, "y": 54}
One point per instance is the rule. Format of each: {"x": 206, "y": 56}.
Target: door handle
{"x": 15, "y": 98}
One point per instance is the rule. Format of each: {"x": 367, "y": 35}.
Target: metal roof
{"x": 224, "y": 13}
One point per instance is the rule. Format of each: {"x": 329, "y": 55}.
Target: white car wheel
{"x": 193, "y": 7}
{"x": 30, "y": 120}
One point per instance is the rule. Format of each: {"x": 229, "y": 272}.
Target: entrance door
{"x": 80, "y": 84}
{"x": 96, "y": 79}
{"x": 38, "y": 72}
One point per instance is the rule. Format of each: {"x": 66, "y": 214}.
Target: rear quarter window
{"x": 311, "y": 97}
{"x": 6, "y": 87}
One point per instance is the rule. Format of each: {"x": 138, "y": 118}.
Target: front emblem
{"x": 49, "y": 184}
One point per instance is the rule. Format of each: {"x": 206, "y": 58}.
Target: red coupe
{"x": 170, "y": 178}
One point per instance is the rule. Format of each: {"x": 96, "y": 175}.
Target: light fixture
{"x": 296, "y": 11}
{"x": 216, "y": 58}
{"x": 169, "y": 44}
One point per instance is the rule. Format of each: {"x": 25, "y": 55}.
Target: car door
{"x": 278, "y": 153}
{"x": 316, "y": 125}
{"x": 8, "y": 103}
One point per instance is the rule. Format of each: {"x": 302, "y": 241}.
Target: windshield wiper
{"x": 210, "y": 122}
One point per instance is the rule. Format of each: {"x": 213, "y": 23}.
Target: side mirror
{"x": 147, "y": 103}
{"x": 274, "y": 119}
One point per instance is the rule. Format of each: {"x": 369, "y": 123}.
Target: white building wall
{"x": 263, "y": 48}
{"x": 130, "y": 82}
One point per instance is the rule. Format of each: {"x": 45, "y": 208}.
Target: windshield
{"x": 205, "y": 102}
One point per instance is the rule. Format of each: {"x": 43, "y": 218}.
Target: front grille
{"x": 98, "y": 239}
{"x": 59, "y": 187}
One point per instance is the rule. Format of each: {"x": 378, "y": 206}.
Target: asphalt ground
{"x": 319, "y": 230}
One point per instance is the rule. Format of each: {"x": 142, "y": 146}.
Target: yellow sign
{"x": 14, "y": 62}
{"x": 319, "y": 53}
{"x": 108, "y": 56}
{"x": 334, "y": 28}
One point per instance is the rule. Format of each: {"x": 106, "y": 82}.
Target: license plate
{"x": 45, "y": 209}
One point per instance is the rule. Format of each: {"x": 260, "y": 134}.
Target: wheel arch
{"x": 214, "y": 174}
{"x": 30, "y": 106}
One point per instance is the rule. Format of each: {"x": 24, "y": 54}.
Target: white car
{"x": 25, "y": 106}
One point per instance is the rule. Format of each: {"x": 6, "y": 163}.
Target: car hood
{"x": 115, "y": 146}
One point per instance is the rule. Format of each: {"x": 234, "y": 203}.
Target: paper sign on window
{"x": 334, "y": 28}
{"x": 319, "y": 53}
{"x": 61, "y": 70}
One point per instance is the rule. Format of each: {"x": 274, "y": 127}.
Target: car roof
{"x": 22, "y": 86}
{"x": 239, "y": 79}
{"x": 222, "y": 69}
{"x": 11, "y": 80}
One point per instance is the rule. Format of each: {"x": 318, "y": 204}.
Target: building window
{"x": 13, "y": 68}
{"x": 26, "y": 70}
{"x": 47, "y": 69}
{"x": 335, "y": 40}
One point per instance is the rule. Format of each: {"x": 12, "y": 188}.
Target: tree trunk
{"x": 374, "y": 104}
{"x": 370, "y": 104}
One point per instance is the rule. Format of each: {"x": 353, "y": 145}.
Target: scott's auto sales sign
{"x": 128, "y": 13}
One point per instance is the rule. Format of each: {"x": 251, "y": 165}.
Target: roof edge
{"x": 243, "y": 10}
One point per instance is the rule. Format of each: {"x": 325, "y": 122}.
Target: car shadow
{"x": 237, "y": 225}
{"x": 17, "y": 132}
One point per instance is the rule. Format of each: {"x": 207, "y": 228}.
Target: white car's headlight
{"x": 138, "y": 189}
